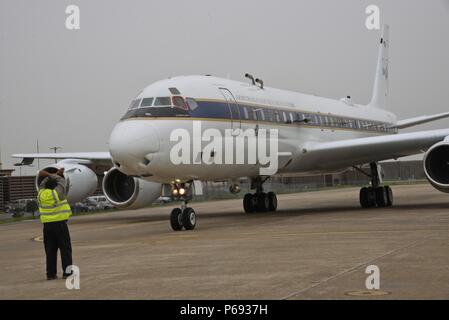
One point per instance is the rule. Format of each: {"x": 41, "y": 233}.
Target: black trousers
{"x": 57, "y": 236}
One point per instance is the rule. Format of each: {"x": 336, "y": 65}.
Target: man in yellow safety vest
{"x": 54, "y": 213}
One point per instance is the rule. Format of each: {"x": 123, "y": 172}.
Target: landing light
{"x": 182, "y": 191}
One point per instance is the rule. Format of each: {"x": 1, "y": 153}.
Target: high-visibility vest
{"x": 51, "y": 208}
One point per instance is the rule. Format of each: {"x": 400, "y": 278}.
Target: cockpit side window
{"x": 147, "y": 102}
{"x": 162, "y": 101}
{"x": 134, "y": 104}
{"x": 192, "y": 103}
{"x": 179, "y": 102}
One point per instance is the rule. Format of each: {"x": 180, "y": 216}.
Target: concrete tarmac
{"x": 316, "y": 246}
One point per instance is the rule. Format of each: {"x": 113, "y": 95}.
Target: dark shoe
{"x": 52, "y": 277}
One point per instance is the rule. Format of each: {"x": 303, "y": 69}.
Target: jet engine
{"x": 436, "y": 166}
{"x": 81, "y": 181}
{"x": 129, "y": 192}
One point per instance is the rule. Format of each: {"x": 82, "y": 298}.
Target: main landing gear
{"x": 375, "y": 195}
{"x": 184, "y": 217}
{"x": 259, "y": 201}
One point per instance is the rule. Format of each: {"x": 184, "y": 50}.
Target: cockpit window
{"x": 192, "y": 103}
{"x": 174, "y": 91}
{"x": 162, "y": 101}
{"x": 134, "y": 104}
{"x": 179, "y": 102}
{"x": 147, "y": 102}
{"x": 172, "y": 106}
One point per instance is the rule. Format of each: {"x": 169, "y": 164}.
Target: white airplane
{"x": 315, "y": 136}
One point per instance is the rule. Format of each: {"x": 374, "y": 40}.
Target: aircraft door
{"x": 234, "y": 109}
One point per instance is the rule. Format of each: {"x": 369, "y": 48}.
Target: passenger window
{"x": 268, "y": 115}
{"x": 259, "y": 114}
{"x": 277, "y": 118}
{"x": 245, "y": 113}
{"x": 147, "y": 102}
{"x": 192, "y": 103}
{"x": 162, "y": 101}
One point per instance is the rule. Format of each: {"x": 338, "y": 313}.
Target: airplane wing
{"x": 345, "y": 153}
{"x": 401, "y": 124}
{"x": 93, "y": 157}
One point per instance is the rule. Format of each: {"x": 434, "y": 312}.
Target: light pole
{"x": 55, "y": 149}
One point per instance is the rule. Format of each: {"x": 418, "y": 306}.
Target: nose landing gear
{"x": 184, "y": 217}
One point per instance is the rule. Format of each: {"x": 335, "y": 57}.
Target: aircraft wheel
{"x": 389, "y": 196}
{"x": 272, "y": 201}
{"x": 262, "y": 202}
{"x": 248, "y": 203}
{"x": 381, "y": 197}
{"x": 189, "y": 218}
{"x": 367, "y": 197}
{"x": 175, "y": 219}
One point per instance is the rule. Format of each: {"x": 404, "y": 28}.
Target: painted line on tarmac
{"x": 352, "y": 269}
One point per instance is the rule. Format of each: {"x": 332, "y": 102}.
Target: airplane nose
{"x": 132, "y": 144}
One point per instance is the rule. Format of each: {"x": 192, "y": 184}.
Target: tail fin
{"x": 380, "y": 90}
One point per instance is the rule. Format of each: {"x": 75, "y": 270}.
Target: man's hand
{"x": 60, "y": 172}
{"x": 43, "y": 173}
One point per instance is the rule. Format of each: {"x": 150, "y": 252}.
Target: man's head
{"x": 51, "y": 183}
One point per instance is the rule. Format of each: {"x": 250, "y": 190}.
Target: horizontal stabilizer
{"x": 401, "y": 124}
{"x": 28, "y": 158}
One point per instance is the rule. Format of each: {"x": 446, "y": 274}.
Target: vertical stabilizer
{"x": 380, "y": 89}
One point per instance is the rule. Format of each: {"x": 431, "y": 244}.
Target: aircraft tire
{"x": 381, "y": 196}
{"x": 367, "y": 197}
{"x": 272, "y": 201}
{"x": 189, "y": 218}
{"x": 175, "y": 219}
{"x": 389, "y": 196}
{"x": 262, "y": 202}
{"x": 248, "y": 203}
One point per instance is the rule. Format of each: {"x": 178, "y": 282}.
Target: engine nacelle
{"x": 436, "y": 166}
{"x": 81, "y": 181}
{"x": 128, "y": 192}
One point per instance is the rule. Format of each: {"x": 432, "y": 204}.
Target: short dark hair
{"x": 51, "y": 183}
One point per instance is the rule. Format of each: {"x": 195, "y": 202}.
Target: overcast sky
{"x": 68, "y": 88}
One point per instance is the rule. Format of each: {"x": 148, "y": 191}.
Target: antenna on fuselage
{"x": 260, "y": 82}
{"x": 250, "y": 76}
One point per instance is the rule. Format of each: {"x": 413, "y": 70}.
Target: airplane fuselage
{"x": 140, "y": 143}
